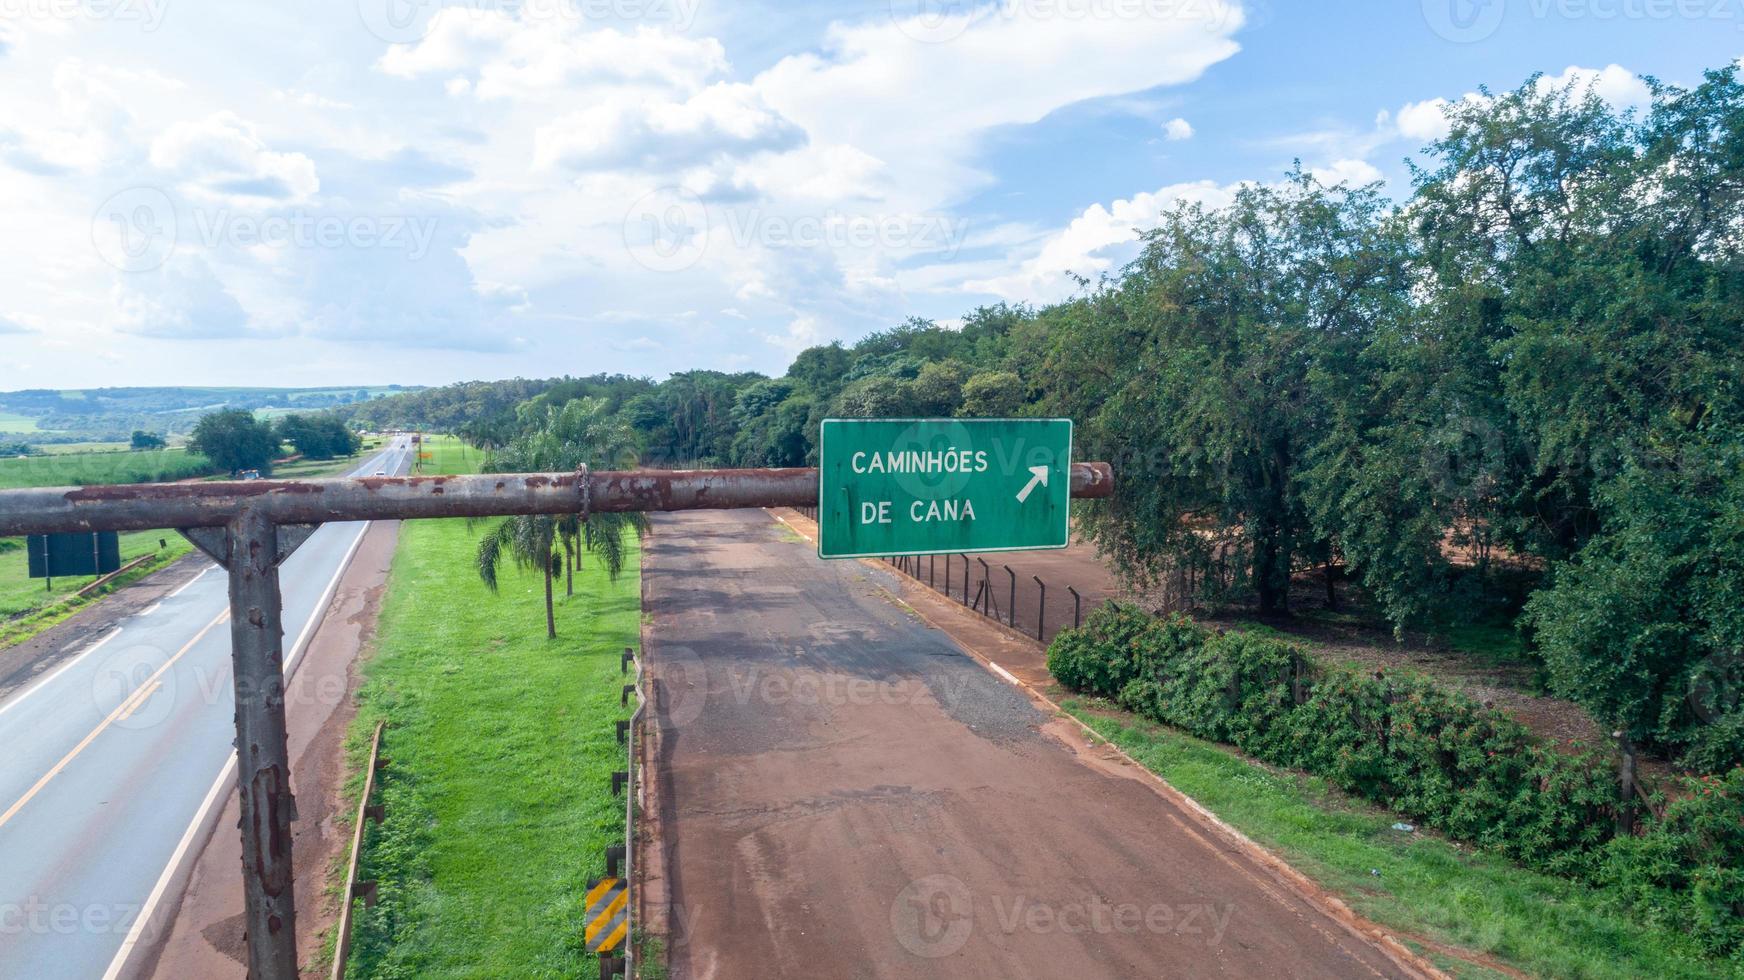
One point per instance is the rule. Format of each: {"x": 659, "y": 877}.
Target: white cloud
{"x": 631, "y": 131}
{"x": 1426, "y": 121}
{"x": 183, "y": 301}
{"x": 507, "y": 57}
{"x": 1178, "y": 129}
{"x": 1096, "y": 241}
{"x": 222, "y": 157}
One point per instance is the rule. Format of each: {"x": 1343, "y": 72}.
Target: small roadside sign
{"x": 74, "y": 553}
{"x": 608, "y": 902}
{"x": 933, "y": 486}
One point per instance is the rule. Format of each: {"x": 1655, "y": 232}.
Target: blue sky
{"x": 352, "y": 191}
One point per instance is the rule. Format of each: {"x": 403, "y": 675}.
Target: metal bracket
{"x": 214, "y": 542}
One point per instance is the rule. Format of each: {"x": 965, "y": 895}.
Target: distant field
{"x": 11, "y": 422}
{"x": 64, "y": 448}
{"x": 87, "y": 468}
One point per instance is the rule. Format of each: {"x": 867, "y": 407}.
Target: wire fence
{"x": 997, "y": 591}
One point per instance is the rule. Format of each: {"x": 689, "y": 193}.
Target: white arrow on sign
{"x": 1040, "y": 475}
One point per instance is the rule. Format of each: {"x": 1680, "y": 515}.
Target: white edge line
{"x": 58, "y": 671}
{"x": 217, "y": 792}
{"x": 1001, "y": 671}
{"x": 44, "y": 681}
{"x": 184, "y": 586}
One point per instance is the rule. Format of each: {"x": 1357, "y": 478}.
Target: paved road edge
{"x": 1298, "y": 883}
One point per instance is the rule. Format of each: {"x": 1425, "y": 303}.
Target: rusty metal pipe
{"x": 148, "y": 506}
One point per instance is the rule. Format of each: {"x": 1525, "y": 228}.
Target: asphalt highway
{"x": 108, "y": 761}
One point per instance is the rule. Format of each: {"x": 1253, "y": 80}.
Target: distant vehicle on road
{"x": 381, "y": 472}
{"x": 248, "y": 475}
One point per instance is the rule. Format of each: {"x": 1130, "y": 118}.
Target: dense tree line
{"x": 1535, "y": 355}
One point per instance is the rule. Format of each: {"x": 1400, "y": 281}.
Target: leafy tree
{"x": 1206, "y": 349}
{"x": 992, "y": 395}
{"x": 145, "y": 440}
{"x": 234, "y": 440}
{"x": 319, "y": 436}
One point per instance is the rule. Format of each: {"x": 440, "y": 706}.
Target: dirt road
{"x": 842, "y": 792}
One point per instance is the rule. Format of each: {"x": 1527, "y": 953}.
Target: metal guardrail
{"x": 355, "y": 889}
{"x": 631, "y": 730}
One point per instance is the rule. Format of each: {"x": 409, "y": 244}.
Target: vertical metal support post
{"x": 1041, "y": 606}
{"x": 263, "y": 761}
{"x": 932, "y": 563}
{"x": 965, "y": 579}
{"x": 986, "y": 586}
{"x": 1011, "y": 607}
{"x": 1077, "y": 604}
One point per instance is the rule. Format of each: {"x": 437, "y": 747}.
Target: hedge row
{"x": 1422, "y": 750}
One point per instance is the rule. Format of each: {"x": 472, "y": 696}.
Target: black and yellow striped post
{"x": 608, "y": 914}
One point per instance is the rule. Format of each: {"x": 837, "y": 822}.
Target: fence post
{"x": 988, "y": 586}
{"x": 1077, "y": 607}
{"x": 1011, "y": 610}
{"x": 932, "y": 563}
{"x": 965, "y": 578}
{"x": 1041, "y": 606}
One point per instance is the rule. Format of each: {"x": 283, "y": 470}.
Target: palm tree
{"x": 561, "y": 441}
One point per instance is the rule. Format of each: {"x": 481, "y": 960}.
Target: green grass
{"x": 13, "y": 423}
{"x": 1428, "y": 887}
{"x": 498, "y": 802}
{"x": 26, "y": 608}
{"x": 70, "y": 469}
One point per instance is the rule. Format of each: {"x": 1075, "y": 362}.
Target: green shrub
{"x": 1687, "y": 868}
{"x": 1416, "y": 747}
{"x": 1101, "y": 657}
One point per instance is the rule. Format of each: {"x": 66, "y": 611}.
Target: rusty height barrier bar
{"x": 250, "y": 527}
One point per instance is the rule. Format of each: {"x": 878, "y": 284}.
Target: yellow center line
{"x": 139, "y": 700}
{"x": 122, "y": 710}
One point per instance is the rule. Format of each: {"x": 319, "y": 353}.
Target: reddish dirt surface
{"x": 206, "y": 940}
{"x": 843, "y": 792}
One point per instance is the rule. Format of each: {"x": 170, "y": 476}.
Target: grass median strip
{"x": 1417, "y": 883}
{"x": 498, "y": 798}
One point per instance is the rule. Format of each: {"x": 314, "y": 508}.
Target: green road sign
{"x": 930, "y": 486}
